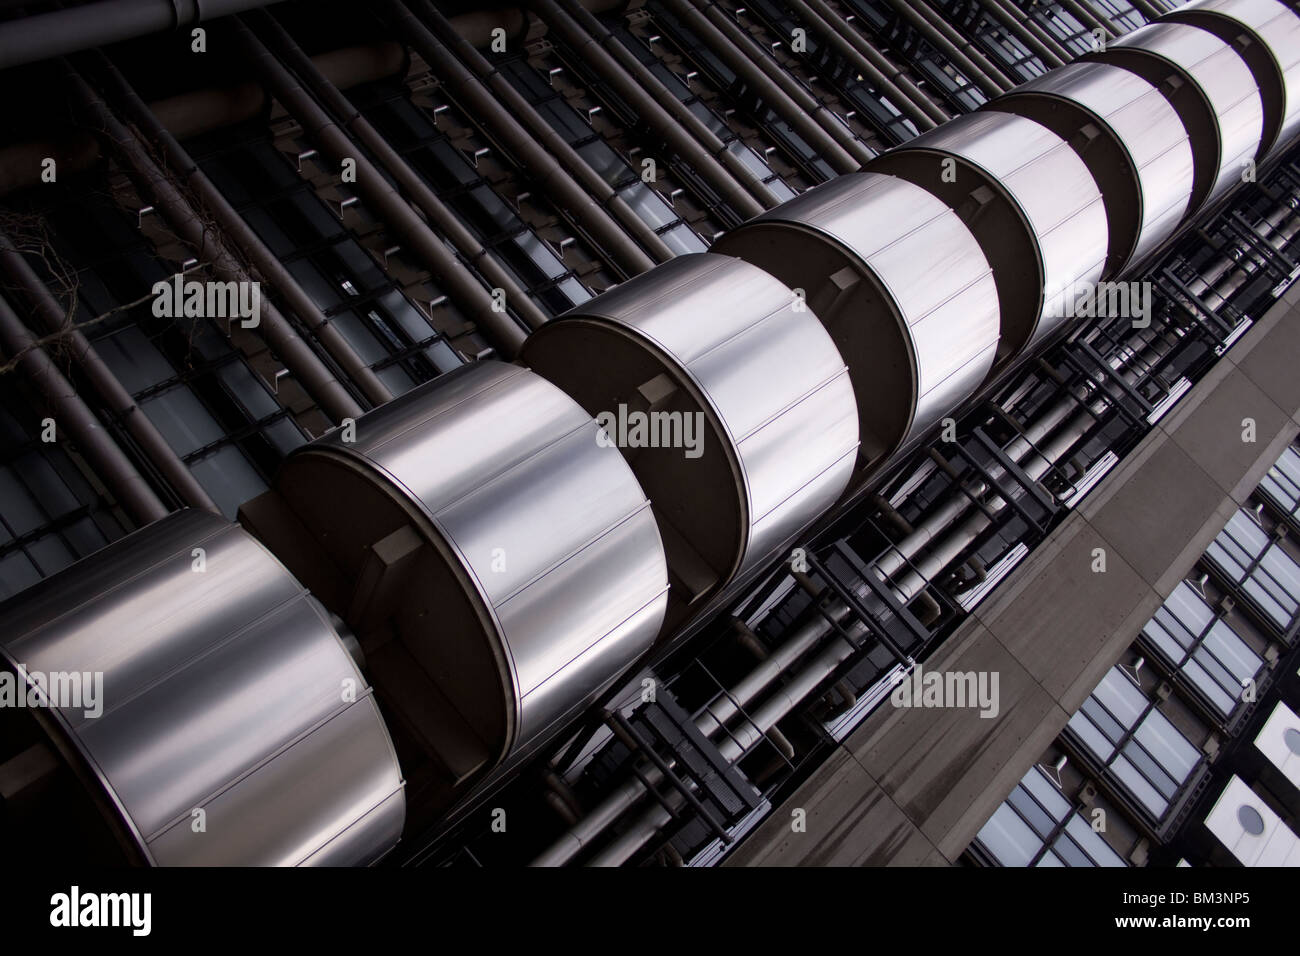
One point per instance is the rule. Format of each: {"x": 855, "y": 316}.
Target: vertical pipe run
{"x": 158, "y": 188}
{"x": 555, "y": 166}
{"x": 842, "y": 152}
{"x": 117, "y": 400}
{"x": 658, "y": 108}
{"x": 108, "y": 460}
{"x": 470, "y": 249}
{"x": 245, "y": 239}
{"x": 464, "y": 288}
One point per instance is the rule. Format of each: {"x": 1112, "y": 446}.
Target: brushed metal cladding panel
{"x": 501, "y": 462}
{"x": 931, "y": 267}
{"x": 767, "y": 369}
{"x": 1279, "y": 29}
{"x": 214, "y": 681}
{"x": 1052, "y": 187}
{"x": 1150, "y": 131}
{"x": 331, "y": 774}
{"x": 1224, "y": 78}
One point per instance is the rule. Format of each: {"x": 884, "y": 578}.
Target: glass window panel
{"x": 50, "y": 554}
{"x": 649, "y": 206}
{"x": 1009, "y": 839}
{"x": 780, "y": 189}
{"x": 1039, "y": 821}
{"x": 607, "y": 163}
{"x": 683, "y": 239}
{"x": 541, "y": 254}
{"x": 575, "y": 290}
{"x": 406, "y": 316}
{"x": 284, "y": 435}
{"x": 454, "y": 162}
{"x": 17, "y": 506}
{"x": 1092, "y": 843}
{"x": 134, "y": 360}
{"x": 1092, "y": 738}
{"x": 322, "y": 291}
{"x": 85, "y": 536}
{"x": 1046, "y": 793}
{"x": 248, "y": 389}
{"x": 396, "y": 378}
{"x": 443, "y": 356}
{"x": 750, "y": 159}
{"x": 360, "y": 337}
{"x": 1138, "y": 786}
{"x": 182, "y": 420}
{"x": 16, "y": 572}
{"x": 45, "y": 485}
{"x": 1070, "y": 854}
{"x": 229, "y": 478}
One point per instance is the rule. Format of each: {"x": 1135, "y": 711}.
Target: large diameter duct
{"x": 225, "y": 689}
{"x": 1032, "y": 204}
{"x": 901, "y": 285}
{"x": 39, "y": 37}
{"x": 713, "y": 340}
{"x": 1213, "y": 91}
{"x": 1133, "y": 142}
{"x": 1267, "y": 36}
{"x": 499, "y": 564}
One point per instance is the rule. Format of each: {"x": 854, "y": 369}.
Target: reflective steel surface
{"x": 549, "y": 532}
{"x": 1054, "y": 191}
{"x": 1278, "y": 29}
{"x": 761, "y": 365}
{"x": 225, "y": 690}
{"x": 1146, "y": 126}
{"x": 924, "y": 264}
{"x": 1226, "y": 82}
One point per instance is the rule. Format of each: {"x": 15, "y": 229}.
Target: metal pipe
{"x": 725, "y": 707}
{"x": 1033, "y": 36}
{"x": 657, "y": 107}
{"x": 919, "y": 577}
{"x": 762, "y": 58}
{"x": 491, "y": 99}
{"x": 995, "y": 70}
{"x": 913, "y": 15}
{"x": 1147, "y": 9}
{"x": 101, "y": 451}
{"x": 117, "y": 400}
{"x": 156, "y": 187}
{"x": 195, "y": 112}
{"x": 1091, "y": 19}
{"x": 734, "y": 746}
{"x": 410, "y": 182}
{"x": 244, "y": 238}
{"x": 45, "y": 35}
{"x": 741, "y": 58}
{"x": 465, "y": 289}
{"x": 920, "y": 109}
